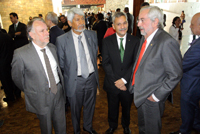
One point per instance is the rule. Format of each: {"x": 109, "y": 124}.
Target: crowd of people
{"x": 58, "y": 65}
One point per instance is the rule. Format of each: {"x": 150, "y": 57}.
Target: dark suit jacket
{"x": 54, "y": 32}
{"x": 130, "y": 20}
{"x": 159, "y": 70}
{"x": 21, "y": 39}
{"x": 68, "y": 60}
{"x": 29, "y": 75}
{"x": 6, "y": 50}
{"x": 101, "y": 28}
{"x": 111, "y": 61}
{"x": 190, "y": 83}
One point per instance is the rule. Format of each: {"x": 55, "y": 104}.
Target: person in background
{"x": 51, "y": 20}
{"x": 35, "y": 70}
{"x": 100, "y": 26}
{"x": 182, "y": 18}
{"x": 157, "y": 71}
{"x": 63, "y": 24}
{"x": 40, "y": 16}
{"x": 175, "y": 29}
{"x": 130, "y": 18}
{"x": 30, "y": 18}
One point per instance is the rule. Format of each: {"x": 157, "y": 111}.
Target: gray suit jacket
{"x": 68, "y": 60}
{"x": 160, "y": 69}
{"x": 29, "y": 75}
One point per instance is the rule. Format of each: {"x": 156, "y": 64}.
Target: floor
{"x": 18, "y": 121}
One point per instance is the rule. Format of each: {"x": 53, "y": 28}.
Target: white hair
{"x": 72, "y": 12}
{"x": 155, "y": 12}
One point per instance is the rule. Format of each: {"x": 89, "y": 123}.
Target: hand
{"x": 123, "y": 88}
{"x": 151, "y": 99}
{"x": 119, "y": 83}
{"x": 17, "y": 33}
{"x": 65, "y": 27}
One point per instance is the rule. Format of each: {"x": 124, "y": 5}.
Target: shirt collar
{"x": 118, "y": 37}
{"x": 76, "y": 35}
{"x": 151, "y": 36}
{"x": 37, "y": 47}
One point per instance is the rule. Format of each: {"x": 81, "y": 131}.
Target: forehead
{"x": 144, "y": 13}
{"x": 11, "y": 16}
{"x": 39, "y": 25}
{"x": 120, "y": 19}
{"x": 78, "y": 16}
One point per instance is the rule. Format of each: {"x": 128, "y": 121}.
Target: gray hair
{"x": 52, "y": 17}
{"x": 117, "y": 15}
{"x": 73, "y": 11}
{"x": 154, "y": 12}
{"x": 30, "y": 25}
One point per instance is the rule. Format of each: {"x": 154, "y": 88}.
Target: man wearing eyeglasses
{"x": 156, "y": 72}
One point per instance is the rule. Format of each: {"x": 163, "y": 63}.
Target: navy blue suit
{"x": 54, "y": 32}
{"x": 190, "y": 89}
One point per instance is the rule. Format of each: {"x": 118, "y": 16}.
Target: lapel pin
{"x": 151, "y": 45}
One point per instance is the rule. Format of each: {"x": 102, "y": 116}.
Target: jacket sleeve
{"x": 18, "y": 70}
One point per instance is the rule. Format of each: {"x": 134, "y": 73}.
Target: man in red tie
{"x": 156, "y": 72}
{"x": 119, "y": 54}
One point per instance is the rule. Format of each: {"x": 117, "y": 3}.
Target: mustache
{"x": 141, "y": 28}
{"x": 122, "y": 29}
{"x": 81, "y": 26}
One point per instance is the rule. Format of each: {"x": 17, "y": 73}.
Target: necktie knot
{"x": 121, "y": 39}
{"x": 79, "y": 37}
{"x": 43, "y": 50}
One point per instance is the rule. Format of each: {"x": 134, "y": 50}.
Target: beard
{"x": 80, "y": 30}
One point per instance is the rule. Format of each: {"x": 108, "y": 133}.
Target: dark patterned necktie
{"x": 50, "y": 73}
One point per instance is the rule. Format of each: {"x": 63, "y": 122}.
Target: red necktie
{"x": 139, "y": 59}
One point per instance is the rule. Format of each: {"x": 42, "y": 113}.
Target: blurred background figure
{"x": 63, "y": 24}
{"x": 40, "y": 16}
{"x": 175, "y": 29}
{"x": 182, "y": 18}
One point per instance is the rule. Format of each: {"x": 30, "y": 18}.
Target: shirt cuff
{"x": 155, "y": 98}
{"x": 124, "y": 80}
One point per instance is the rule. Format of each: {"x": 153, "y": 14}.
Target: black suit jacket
{"x": 6, "y": 50}
{"x": 21, "y": 39}
{"x": 54, "y": 32}
{"x": 101, "y": 28}
{"x": 111, "y": 62}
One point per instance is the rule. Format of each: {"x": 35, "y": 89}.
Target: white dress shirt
{"x": 148, "y": 42}
{"x": 52, "y": 61}
{"x": 124, "y": 45}
{"x": 174, "y": 32}
{"x": 89, "y": 61}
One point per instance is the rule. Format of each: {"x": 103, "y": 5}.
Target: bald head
{"x": 195, "y": 24}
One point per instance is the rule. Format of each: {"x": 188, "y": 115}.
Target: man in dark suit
{"x": 63, "y": 24}
{"x": 130, "y": 19}
{"x": 190, "y": 85}
{"x": 77, "y": 54}
{"x": 17, "y": 31}
{"x": 35, "y": 70}
{"x": 156, "y": 71}
{"x": 51, "y": 20}
{"x": 100, "y": 26}
{"x": 6, "y": 54}
{"x": 119, "y": 53}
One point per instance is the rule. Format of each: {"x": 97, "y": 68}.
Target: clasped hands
{"x": 120, "y": 85}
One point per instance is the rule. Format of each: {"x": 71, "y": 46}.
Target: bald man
{"x": 190, "y": 83}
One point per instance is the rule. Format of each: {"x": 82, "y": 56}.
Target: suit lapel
{"x": 70, "y": 45}
{"x": 150, "y": 47}
{"x": 116, "y": 48}
{"x": 128, "y": 46}
{"x": 35, "y": 58}
{"x": 89, "y": 44}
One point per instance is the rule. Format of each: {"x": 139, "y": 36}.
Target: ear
{"x": 32, "y": 35}
{"x": 70, "y": 23}
{"x": 156, "y": 21}
{"x": 113, "y": 26}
